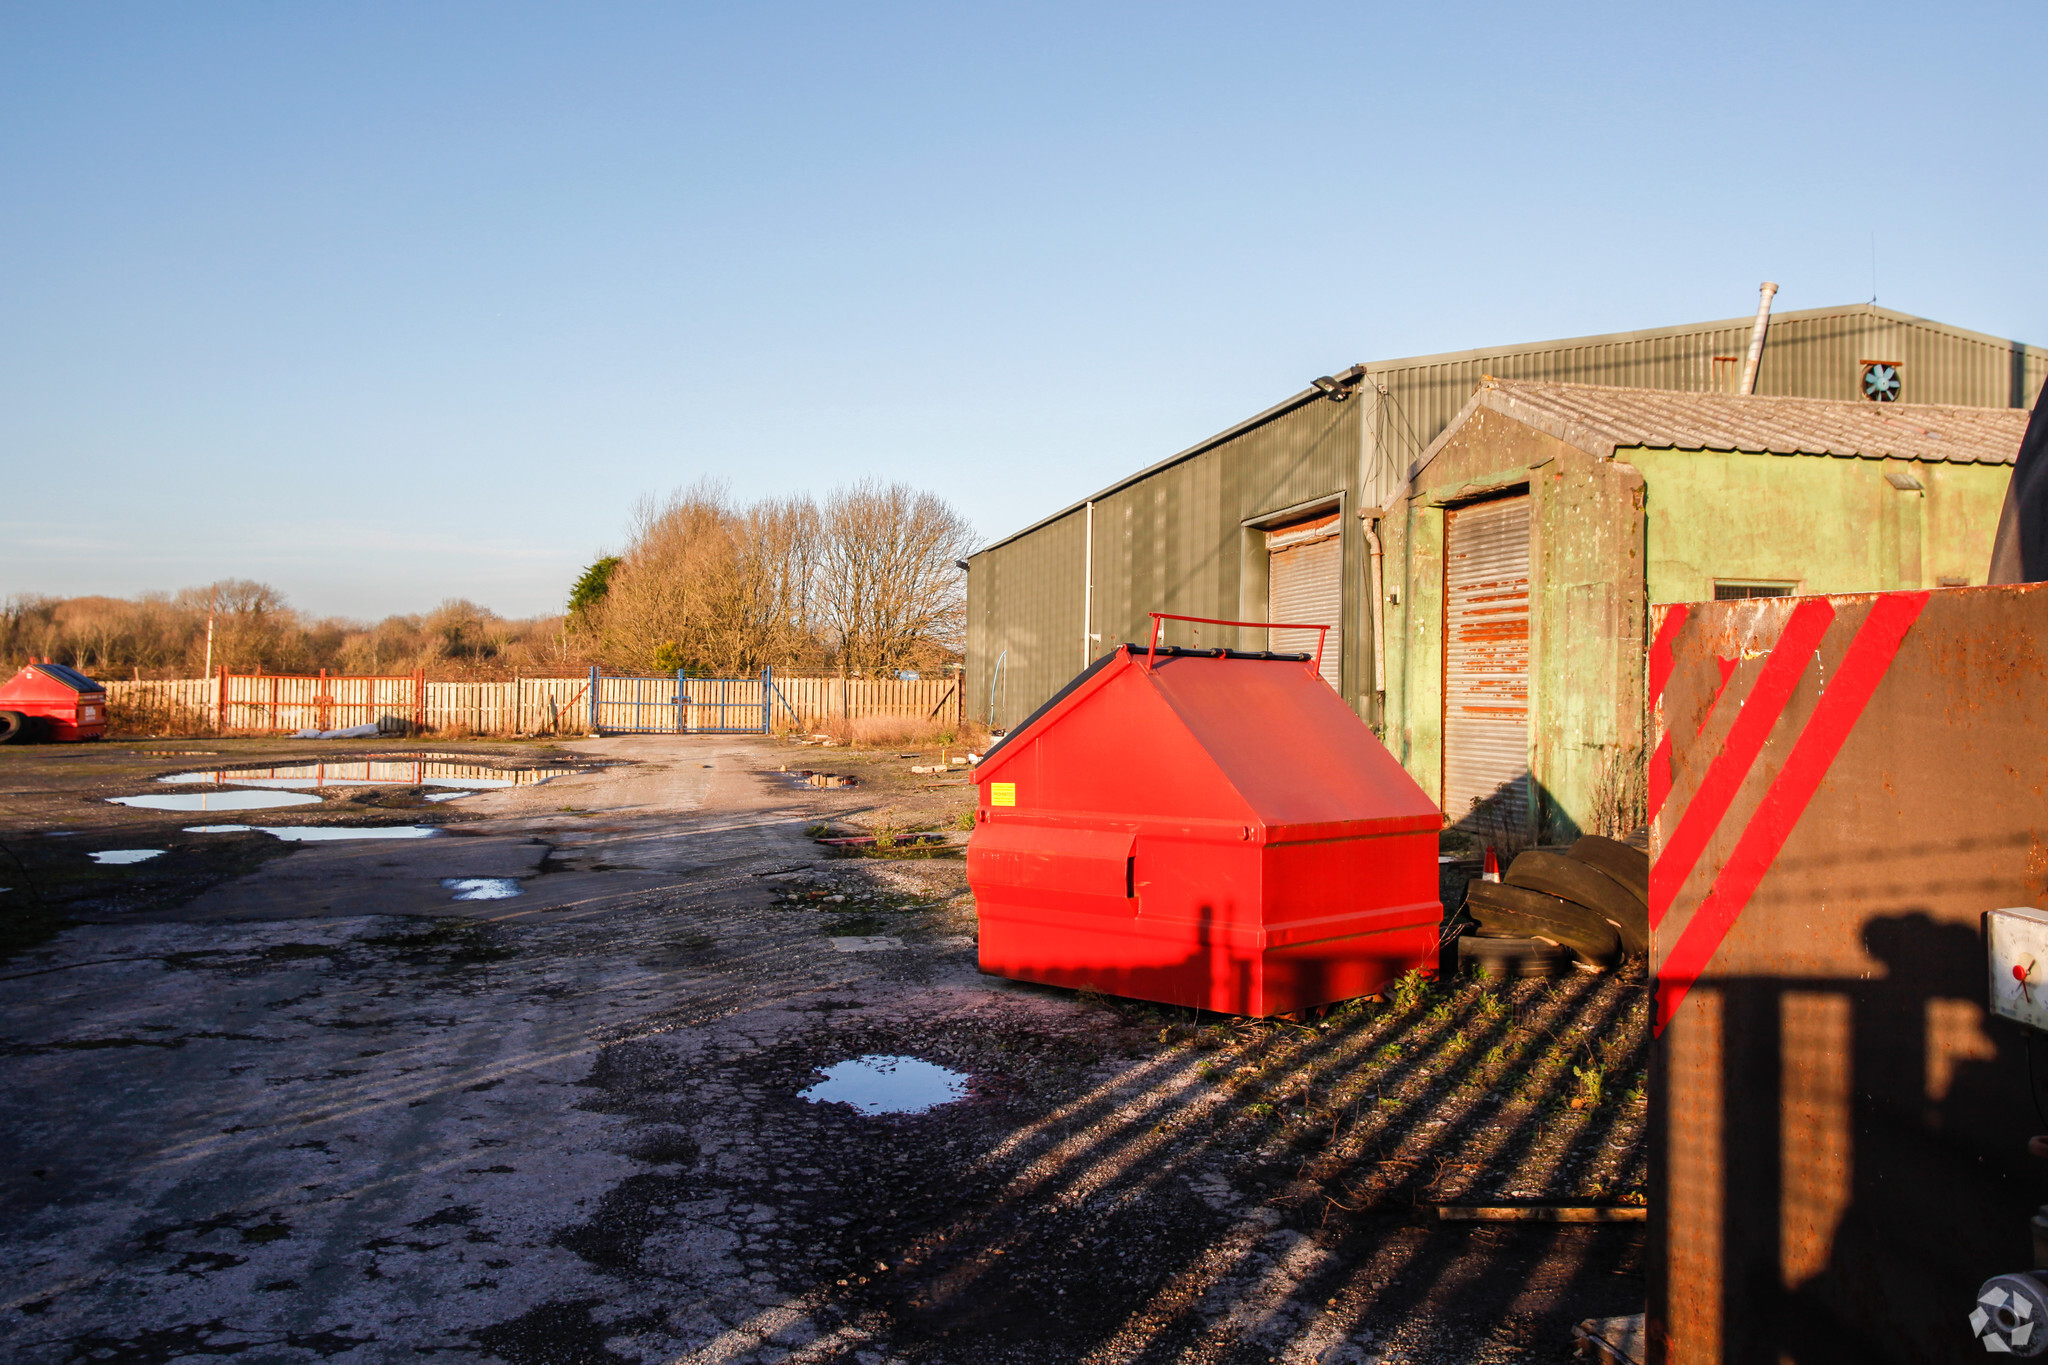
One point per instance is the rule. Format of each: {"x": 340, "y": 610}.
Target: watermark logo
{"x": 2009, "y": 1316}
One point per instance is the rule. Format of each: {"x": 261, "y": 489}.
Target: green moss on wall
{"x": 1820, "y": 523}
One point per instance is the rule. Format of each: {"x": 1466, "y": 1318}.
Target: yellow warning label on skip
{"x": 1002, "y": 793}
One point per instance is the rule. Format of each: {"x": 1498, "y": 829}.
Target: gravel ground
{"x": 570, "y": 1127}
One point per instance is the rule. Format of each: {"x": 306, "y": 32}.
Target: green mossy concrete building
{"x": 1523, "y": 554}
{"x": 1335, "y": 507}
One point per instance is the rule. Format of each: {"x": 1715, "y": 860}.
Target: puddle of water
{"x": 448, "y": 796}
{"x": 118, "y": 856}
{"x": 370, "y": 773}
{"x": 300, "y": 834}
{"x": 888, "y": 1085}
{"x": 873, "y": 943}
{"x": 303, "y": 834}
{"x": 483, "y": 888}
{"x": 227, "y": 800}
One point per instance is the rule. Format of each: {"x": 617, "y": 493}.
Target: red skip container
{"x": 1203, "y": 827}
{"x": 51, "y": 701}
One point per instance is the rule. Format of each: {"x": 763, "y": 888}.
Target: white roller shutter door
{"x": 1486, "y": 664}
{"x": 1305, "y": 585}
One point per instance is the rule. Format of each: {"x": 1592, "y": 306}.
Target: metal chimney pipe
{"x": 1756, "y": 338}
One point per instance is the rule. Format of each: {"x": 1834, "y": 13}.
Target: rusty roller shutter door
{"x": 1486, "y": 665}
{"x": 1306, "y": 585}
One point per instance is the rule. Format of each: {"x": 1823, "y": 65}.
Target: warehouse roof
{"x": 1599, "y": 420}
{"x": 1676, "y": 349}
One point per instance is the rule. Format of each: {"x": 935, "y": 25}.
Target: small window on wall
{"x": 1736, "y": 589}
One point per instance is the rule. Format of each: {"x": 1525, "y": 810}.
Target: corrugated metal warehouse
{"x": 1286, "y": 516}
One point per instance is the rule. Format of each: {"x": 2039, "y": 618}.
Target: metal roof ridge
{"x": 1686, "y": 328}
{"x": 1375, "y": 368}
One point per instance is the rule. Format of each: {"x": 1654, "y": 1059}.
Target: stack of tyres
{"x": 1591, "y": 904}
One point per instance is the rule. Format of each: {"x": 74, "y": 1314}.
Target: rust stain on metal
{"x": 1814, "y": 1138}
{"x": 1693, "y": 1160}
{"x": 1840, "y": 1142}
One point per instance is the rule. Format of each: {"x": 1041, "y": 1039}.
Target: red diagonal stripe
{"x": 1841, "y": 704}
{"x": 1660, "y": 774}
{"x": 1660, "y": 649}
{"x": 1760, "y": 711}
{"x": 1660, "y": 673}
{"x": 1660, "y": 762}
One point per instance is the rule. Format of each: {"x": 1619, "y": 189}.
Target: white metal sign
{"x": 2016, "y": 944}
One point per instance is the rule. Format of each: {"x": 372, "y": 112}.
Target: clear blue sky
{"x": 389, "y": 303}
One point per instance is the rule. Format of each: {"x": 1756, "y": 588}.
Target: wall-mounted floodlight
{"x": 1340, "y": 386}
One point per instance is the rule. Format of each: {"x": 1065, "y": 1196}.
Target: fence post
{"x": 767, "y": 689}
{"x": 419, "y": 701}
{"x": 593, "y": 700}
{"x": 220, "y": 703}
{"x": 682, "y": 704}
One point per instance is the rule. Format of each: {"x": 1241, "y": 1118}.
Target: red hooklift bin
{"x": 1209, "y": 828}
{"x": 51, "y": 701}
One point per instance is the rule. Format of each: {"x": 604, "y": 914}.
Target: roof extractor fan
{"x": 1881, "y": 381}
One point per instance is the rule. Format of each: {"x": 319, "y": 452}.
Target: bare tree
{"x": 164, "y": 635}
{"x": 254, "y": 627}
{"x": 867, "y": 582}
{"x": 662, "y": 605}
{"x": 888, "y": 589}
{"x": 28, "y": 626}
{"x": 708, "y": 587}
{"x": 770, "y": 603}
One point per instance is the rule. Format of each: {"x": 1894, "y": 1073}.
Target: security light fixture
{"x": 1340, "y": 386}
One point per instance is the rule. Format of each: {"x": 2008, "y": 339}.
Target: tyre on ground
{"x": 1557, "y": 874}
{"x": 1518, "y": 910}
{"x": 1510, "y": 956}
{"x": 15, "y": 728}
{"x": 1628, "y": 866}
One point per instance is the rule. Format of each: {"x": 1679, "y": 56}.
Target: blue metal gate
{"x": 673, "y": 704}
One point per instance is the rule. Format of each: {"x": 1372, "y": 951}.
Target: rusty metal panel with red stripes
{"x": 1840, "y": 788}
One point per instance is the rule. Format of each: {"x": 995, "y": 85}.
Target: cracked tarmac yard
{"x": 254, "y": 1120}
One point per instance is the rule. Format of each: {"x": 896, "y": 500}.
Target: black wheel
{"x": 1554, "y": 874}
{"x": 1510, "y": 955}
{"x": 1518, "y": 910}
{"x": 14, "y": 728}
{"x": 1628, "y": 866}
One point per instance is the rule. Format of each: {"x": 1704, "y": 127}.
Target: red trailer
{"x": 1210, "y": 828}
{"x": 51, "y": 701}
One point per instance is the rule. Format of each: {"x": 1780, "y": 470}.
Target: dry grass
{"x": 148, "y": 716}
{"x": 898, "y": 732}
{"x": 1619, "y": 793}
